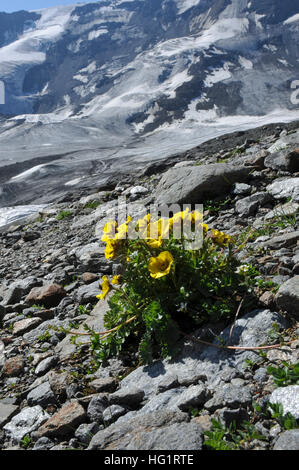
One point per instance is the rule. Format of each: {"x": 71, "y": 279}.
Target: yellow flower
{"x": 165, "y": 228}
{"x": 105, "y": 288}
{"x": 161, "y": 265}
{"x": 179, "y": 216}
{"x": 122, "y": 232}
{"x": 205, "y": 227}
{"x": 159, "y": 229}
{"x": 142, "y": 228}
{"x": 116, "y": 280}
{"x": 154, "y": 243}
{"x": 221, "y": 238}
{"x": 109, "y": 231}
{"x": 111, "y": 249}
{"x": 196, "y": 217}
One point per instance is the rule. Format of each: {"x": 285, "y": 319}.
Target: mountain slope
{"x": 126, "y": 81}
{"x": 159, "y": 58}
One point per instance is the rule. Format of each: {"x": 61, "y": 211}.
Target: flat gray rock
{"x": 230, "y": 396}
{"x": 289, "y": 440}
{"x": 6, "y": 413}
{"x": 163, "y": 430}
{"x": 130, "y": 396}
{"x": 113, "y": 412}
{"x": 282, "y": 241}
{"x": 290, "y": 208}
{"x": 250, "y": 330}
{"x": 95, "y": 321}
{"x": 23, "y": 326}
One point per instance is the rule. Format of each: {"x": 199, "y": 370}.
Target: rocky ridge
{"x": 53, "y": 397}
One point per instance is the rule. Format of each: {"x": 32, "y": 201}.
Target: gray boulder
{"x": 85, "y": 432}
{"x": 92, "y": 258}
{"x": 41, "y": 395}
{"x": 130, "y": 396}
{"x": 230, "y": 396}
{"x": 27, "y": 421}
{"x": 249, "y": 205}
{"x": 284, "y": 160}
{"x": 288, "y": 397}
{"x": 284, "y": 188}
{"x": 45, "y": 365}
{"x": 194, "y": 184}
{"x": 88, "y": 293}
{"x": 282, "y": 241}
{"x": 96, "y": 407}
{"x": 287, "y": 297}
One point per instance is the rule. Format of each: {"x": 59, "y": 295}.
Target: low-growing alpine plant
{"x": 166, "y": 288}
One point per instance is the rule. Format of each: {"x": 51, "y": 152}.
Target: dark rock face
{"x": 12, "y": 25}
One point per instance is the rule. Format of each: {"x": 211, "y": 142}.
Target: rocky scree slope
{"x": 52, "y": 395}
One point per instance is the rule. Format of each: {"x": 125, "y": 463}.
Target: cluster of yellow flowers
{"x": 221, "y": 238}
{"x": 107, "y": 286}
{"x": 152, "y": 233}
{"x": 113, "y": 236}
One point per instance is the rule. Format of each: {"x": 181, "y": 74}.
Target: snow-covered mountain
{"x": 128, "y": 80}
{"x": 151, "y": 62}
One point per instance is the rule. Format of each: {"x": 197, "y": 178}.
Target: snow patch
{"x": 257, "y": 19}
{"x": 245, "y": 63}
{"x": 81, "y": 78}
{"x": 9, "y": 215}
{"x": 96, "y": 34}
{"x": 92, "y": 67}
{"x": 283, "y": 62}
{"x": 73, "y": 182}
{"x": 218, "y": 75}
{"x": 184, "y": 5}
{"x": 225, "y": 28}
{"x": 292, "y": 19}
